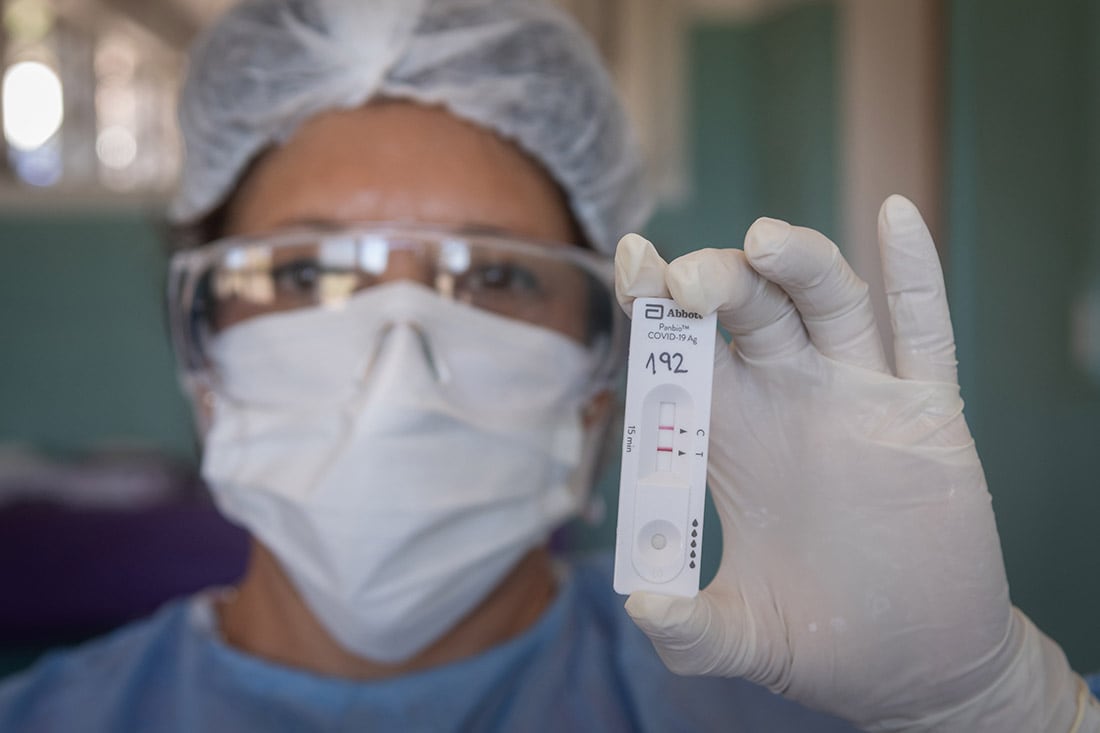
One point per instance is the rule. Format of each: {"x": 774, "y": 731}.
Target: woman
{"x": 398, "y": 330}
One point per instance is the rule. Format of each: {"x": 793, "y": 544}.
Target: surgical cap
{"x": 521, "y": 68}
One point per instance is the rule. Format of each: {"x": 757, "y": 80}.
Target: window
{"x": 89, "y": 90}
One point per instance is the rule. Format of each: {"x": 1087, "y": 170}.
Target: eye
{"x": 297, "y": 277}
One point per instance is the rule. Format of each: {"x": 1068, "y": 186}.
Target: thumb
{"x": 704, "y": 635}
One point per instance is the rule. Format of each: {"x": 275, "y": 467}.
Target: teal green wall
{"x": 84, "y": 358}
{"x": 763, "y": 111}
{"x": 1024, "y": 242}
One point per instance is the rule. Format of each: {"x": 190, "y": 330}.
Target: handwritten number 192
{"x": 671, "y": 362}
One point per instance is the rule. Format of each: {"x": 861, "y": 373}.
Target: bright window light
{"x": 33, "y": 106}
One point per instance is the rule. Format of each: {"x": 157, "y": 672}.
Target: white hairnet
{"x": 519, "y": 67}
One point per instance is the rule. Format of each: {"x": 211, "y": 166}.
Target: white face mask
{"x": 398, "y": 455}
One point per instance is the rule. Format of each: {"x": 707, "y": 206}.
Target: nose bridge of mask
{"x": 405, "y": 341}
{"x": 404, "y": 353}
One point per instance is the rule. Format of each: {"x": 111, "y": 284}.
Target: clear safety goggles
{"x": 558, "y": 287}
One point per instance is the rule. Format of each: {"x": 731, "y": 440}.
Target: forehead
{"x": 398, "y": 161}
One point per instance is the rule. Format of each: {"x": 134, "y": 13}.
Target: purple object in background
{"x": 72, "y": 572}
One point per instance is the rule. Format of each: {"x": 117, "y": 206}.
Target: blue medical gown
{"x": 583, "y": 667}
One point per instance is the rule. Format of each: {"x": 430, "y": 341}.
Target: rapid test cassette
{"x": 659, "y": 537}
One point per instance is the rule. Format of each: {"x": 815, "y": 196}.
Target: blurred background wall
{"x": 1023, "y": 198}
{"x": 985, "y": 112}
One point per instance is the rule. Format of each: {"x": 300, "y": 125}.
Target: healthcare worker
{"x": 399, "y": 330}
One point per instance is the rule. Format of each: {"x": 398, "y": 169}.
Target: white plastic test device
{"x": 670, "y": 366}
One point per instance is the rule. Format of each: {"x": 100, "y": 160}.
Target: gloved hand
{"x": 861, "y": 571}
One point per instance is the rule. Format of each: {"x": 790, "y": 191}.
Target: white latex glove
{"x": 861, "y": 571}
